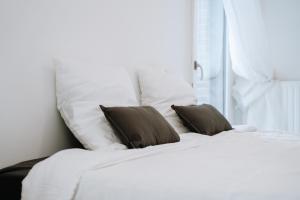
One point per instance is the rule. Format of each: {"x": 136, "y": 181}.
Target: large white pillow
{"x": 80, "y": 88}
{"x": 161, "y": 89}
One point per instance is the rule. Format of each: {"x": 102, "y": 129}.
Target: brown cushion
{"x": 139, "y": 127}
{"x": 204, "y": 119}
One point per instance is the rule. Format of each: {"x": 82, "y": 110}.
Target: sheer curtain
{"x": 249, "y": 49}
{"x": 261, "y": 100}
{"x": 256, "y": 92}
{"x": 265, "y": 102}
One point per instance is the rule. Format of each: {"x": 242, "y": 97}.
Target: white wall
{"x": 283, "y": 26}
{"x": 116, "y": 32}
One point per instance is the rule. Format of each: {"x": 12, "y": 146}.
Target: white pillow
{"x": 161, "y": 89}
{"x": 80, "y": 88}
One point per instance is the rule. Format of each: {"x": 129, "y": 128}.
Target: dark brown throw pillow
{"x": 138, "y": 127}
{"x": 204, "y": 119}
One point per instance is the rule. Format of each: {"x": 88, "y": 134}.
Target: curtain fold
{"x": 249, "y": 50}
{"x": 266, "y": 103}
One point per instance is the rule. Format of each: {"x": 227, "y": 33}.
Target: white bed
{"x": 237, "y": 164}
{"x": 231, "y": 165}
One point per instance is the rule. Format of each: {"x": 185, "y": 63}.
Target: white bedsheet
{"x": 231, "y": 165}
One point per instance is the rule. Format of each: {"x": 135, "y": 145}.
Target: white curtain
{"x": 249, "y": 49}
{"x": 249, "y": 46}
{"x": 255, "y": 91}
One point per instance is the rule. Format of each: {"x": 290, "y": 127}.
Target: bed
{"x": 231, "y": 165}
{"x": 240, "y": 163}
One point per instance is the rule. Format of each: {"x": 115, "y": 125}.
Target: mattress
{"x": 230, "y": 165}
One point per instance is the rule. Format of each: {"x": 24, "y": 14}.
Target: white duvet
{"x": 231, "y": 165}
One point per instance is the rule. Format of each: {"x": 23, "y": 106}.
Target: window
{"x": 210, "y": 53}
